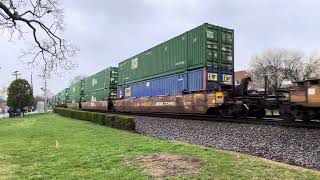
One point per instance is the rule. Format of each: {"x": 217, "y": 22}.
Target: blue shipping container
{"x": 189, "y": 81}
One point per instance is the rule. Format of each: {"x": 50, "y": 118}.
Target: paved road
{"x": 7, "y": 115}
{"x": 4, "y": 115}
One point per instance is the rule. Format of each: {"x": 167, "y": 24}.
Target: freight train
{"x": 190, "y": 73}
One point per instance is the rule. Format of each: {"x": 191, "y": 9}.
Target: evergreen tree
{"x": 20, "y": 94}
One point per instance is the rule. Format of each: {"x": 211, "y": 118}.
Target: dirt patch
{"x": 6, "y": 169}
{"x": 163, "y": 164}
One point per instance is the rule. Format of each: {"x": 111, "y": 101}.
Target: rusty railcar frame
{"x": 195, "y": 102}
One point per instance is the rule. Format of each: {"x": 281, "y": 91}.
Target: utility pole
{"x": 45, "y": 90}
{"x": 45, "y": 94}
{"x": 31, "y": 81}
{"x": 16, "y": 74}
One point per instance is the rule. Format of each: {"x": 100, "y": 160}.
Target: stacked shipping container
{"x": 200, "y": 59}
{"x": 76, "y": 92}
{"x": 63, "y": 97}
{"x": 101, "y": 86}
{"x": 170, "y": 85}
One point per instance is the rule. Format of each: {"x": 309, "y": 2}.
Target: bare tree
{"x": 268, "y": 64}
{"x": 307, "y": 69}
{"x": 283, "y": 64}
{"x": 42, "y": 20}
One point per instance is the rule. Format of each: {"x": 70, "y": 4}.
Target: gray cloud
{"x": 108, "y": 32}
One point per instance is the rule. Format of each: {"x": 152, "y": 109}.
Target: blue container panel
{"x": 172, "y": 85}
{"x": 120, "y": 90}
{"x": 195, "y": 80}
{"x": 168, "y": 85}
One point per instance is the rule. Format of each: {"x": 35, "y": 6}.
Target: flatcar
{"x": 303, "y": 101}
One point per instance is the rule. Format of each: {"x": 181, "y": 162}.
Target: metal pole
{"x": 265, "y": 86}
{"x": 16, "y": 74}
{"x": 276, "y": 90}
{"x": 45, "y": 93}
{"x": 31, "y": 83}
{"x": 44, "y": 89}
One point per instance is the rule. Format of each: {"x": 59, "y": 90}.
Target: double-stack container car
{"x": 76, "y": 92}
{"x": 185, "y": 74}
{"x": 202, "y": 55}
{"x": 55, "y": 100}
{"x": 63, "y": 97}
{"x": 100, "y": 89}
{"x": 190, "y": 73}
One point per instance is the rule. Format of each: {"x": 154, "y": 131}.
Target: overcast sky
{"x": 108, "y": 32}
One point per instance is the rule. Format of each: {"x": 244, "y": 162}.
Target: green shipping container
{"x": 100, "y": 95}
{"x": 206, "y": 45}
{"x": 76, "y": 92}
{"x": 64, "y": 96}
{"x": 54, "y": 100}
{"x": 102, "y": 85}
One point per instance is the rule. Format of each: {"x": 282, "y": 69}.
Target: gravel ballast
{"x": 297, "y": 146}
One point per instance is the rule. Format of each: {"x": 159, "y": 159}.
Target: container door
{"x": 196, "y": 47}
{"x": 227, "y": 57}
{"x": 212, "y": 46}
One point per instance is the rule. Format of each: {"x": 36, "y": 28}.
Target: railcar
{"x": 303, "y": 101}
{"x": 62, "y": 98}
{"x": 99, "y": 89}
{"x": 76, "y": 92}
{"x": 192, "y": 102}
{"x": 190, "y": 73}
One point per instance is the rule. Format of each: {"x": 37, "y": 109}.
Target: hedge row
{"x": 114, "y": 121}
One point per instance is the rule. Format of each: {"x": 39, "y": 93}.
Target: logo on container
{"x": 94, "y": 81}
{"x": 134, "y": 63}
{"x": 165, "y": 104}
{"x": 227, "y": 78}
{"x": 180, "y": 63}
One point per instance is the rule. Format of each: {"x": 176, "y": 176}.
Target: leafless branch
{"x": 43, "y": 20}
{"x": 283, "y": 64}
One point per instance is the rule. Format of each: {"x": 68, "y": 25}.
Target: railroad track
{"x": 269, "y": 120}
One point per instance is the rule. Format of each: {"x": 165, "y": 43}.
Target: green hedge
{"x": 114, "y": 121}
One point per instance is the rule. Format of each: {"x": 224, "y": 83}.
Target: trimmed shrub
{"x": 114, "y": 121}
{"x": 101, "y": 118}
{"x": 124, "y": 122}
{"x": 94, "y": 117}
{"x": 84, "y": 115}
{"x": 109, "y": 120}
{"x": 73, "y": 114}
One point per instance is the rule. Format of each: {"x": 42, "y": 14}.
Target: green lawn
{"x": 89, "y": 151}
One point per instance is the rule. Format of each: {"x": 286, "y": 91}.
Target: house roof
{"x": 239, "y": 75}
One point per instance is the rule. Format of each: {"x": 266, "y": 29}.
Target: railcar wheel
{"x": 224, "y": 112}
{"x": 257, "y": 111}
{"x": 287, "y": 117}
{"x": 260, "y": 113}
{"x": 237, "y": 111}
{"x": 240, "y": 111}
{"x": 302, "y": 114}
{"x": 286, "y": 113}
{"x": 308, "y": 115}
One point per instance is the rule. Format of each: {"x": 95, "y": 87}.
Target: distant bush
{"x": 114, "y": 121}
